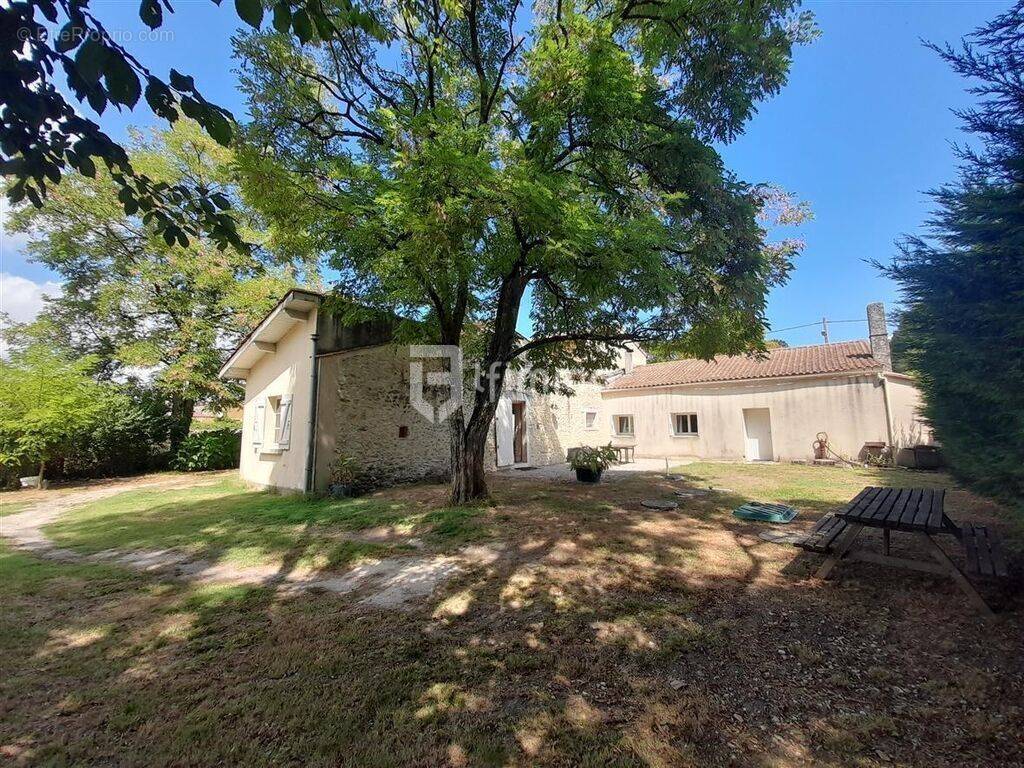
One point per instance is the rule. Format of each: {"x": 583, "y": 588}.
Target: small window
{"x": 590, "y": 420}
{"x": 403, "y": 432}
{"x": 684, "y": 423}
{"x": 623, "y": 425}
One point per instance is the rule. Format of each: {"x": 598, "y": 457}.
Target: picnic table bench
{"x": 919, "y": 511}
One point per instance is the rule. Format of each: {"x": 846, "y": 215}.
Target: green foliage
{"x": 962, "y": 332}
{"x": 136, "y": 301}
{"x": 44, "y": 135}
{"x": 130, "y": 438}
{"x": 344, "y": 470}
{"x": 595, "y": 459}
{"x": 46, "y": 403}
{"x": 209, "y": 449}
{"x": 53, "y": 411}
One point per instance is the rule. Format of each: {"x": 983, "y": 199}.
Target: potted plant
{"x": 589, "y": 462}
{"x": 344, "y": 473}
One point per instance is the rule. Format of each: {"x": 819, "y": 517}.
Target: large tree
{"x": 962, "y": 331}
{"x": 133, "y": 300}
{"x": 455, "y": 159}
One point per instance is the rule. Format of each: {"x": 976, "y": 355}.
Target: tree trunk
{"x": 180, "y": 422}
{"x": 42, "y": 470}
{"x": 469, "y": 439}
{"x": 467, "y": 448}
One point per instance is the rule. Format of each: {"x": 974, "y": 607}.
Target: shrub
{"x": 209, "y": 449}
{"x": 131, "y": 437}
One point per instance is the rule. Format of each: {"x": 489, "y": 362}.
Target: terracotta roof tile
{"x": 843, "y": 357}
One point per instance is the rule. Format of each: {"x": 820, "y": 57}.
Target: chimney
{"x": 878, "y": 334}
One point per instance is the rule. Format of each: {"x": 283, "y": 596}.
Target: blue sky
{"x": 863, "y": 129}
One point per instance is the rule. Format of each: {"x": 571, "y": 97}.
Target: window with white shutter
{"x": 258, "y": 422}
{"x": 283, "y": 423}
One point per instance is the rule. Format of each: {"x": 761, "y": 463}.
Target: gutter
{"x": 314, "y": 388}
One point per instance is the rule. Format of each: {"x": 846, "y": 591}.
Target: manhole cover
{"x": 657, "y": 504}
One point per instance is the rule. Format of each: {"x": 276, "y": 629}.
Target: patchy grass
{"x": 226, "y": 522}
{"x": 13, "y": 507}
{"x": 606, "y": 635}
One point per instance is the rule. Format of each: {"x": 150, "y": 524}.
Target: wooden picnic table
{"x": 917, "y": 511}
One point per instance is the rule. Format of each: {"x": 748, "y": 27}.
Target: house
{"x": 770, "y": 409}
{"x": 317, "y": 390}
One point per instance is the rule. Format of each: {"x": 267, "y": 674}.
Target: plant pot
{"x": 585, "y": 475}
{"x": 340, "y": 490}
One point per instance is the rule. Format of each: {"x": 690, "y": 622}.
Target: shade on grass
{"x": 228, "y": 522}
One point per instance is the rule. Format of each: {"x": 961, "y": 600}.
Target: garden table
{"x": 917, "y": 511}
{"x": 624, "y": 453}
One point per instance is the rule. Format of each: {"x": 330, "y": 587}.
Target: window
{"x": 684, "y": 423}
{"x": 590, "y": 419}
{"x": 623, "y": 425}
{"x": 279, "y": 410}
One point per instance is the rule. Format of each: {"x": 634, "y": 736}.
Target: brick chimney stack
{"x": 878, "y": 334}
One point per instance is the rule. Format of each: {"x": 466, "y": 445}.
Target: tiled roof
{"x": 844, "y": 357}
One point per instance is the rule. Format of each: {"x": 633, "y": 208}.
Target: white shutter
{"x": 284, "y": 422}
{"x": 258, "y": 421}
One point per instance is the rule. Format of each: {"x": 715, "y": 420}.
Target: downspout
{"x": 888, "y": 412}
{"x": 314, "y": 388}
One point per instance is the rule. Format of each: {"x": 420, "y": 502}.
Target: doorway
{"x": 519, "y": 432}
{"x": 757, "y": 424}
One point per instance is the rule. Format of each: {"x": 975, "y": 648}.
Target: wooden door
{"x": 519, "y": 432}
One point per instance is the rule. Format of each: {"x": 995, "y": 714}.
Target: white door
{"x": 504, "y": 432}
{"x": 758, "y": 425}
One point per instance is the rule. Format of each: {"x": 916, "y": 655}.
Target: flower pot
{"x": 585, "y": 475}
{"x": 340, "y": 491}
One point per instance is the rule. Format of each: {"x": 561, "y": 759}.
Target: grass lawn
{"x": 224, "y": 522}
{"x": 606, "y": 634}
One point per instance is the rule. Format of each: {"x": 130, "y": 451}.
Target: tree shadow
{"x": 604, "y": 634}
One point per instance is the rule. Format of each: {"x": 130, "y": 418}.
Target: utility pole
{"x": 824, "y": 328}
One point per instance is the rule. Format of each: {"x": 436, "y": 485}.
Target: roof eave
{"x": 752, "y": 380}
{"x": 231, "y": 369}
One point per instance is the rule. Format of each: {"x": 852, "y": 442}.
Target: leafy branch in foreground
{"x": 43, "y": 135}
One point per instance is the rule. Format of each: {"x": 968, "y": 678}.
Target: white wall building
{"x": 317, "y": 390}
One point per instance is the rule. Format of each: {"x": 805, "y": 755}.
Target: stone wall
{"x": 364, "y": 413}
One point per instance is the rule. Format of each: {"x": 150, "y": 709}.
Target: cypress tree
{"x": 962, "y": 329}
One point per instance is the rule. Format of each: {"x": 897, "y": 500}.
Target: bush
{"x": 130, "y": 438}
{"x": 210, "y": 449}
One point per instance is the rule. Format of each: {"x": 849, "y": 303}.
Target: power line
{"x": 823, "y": 324}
